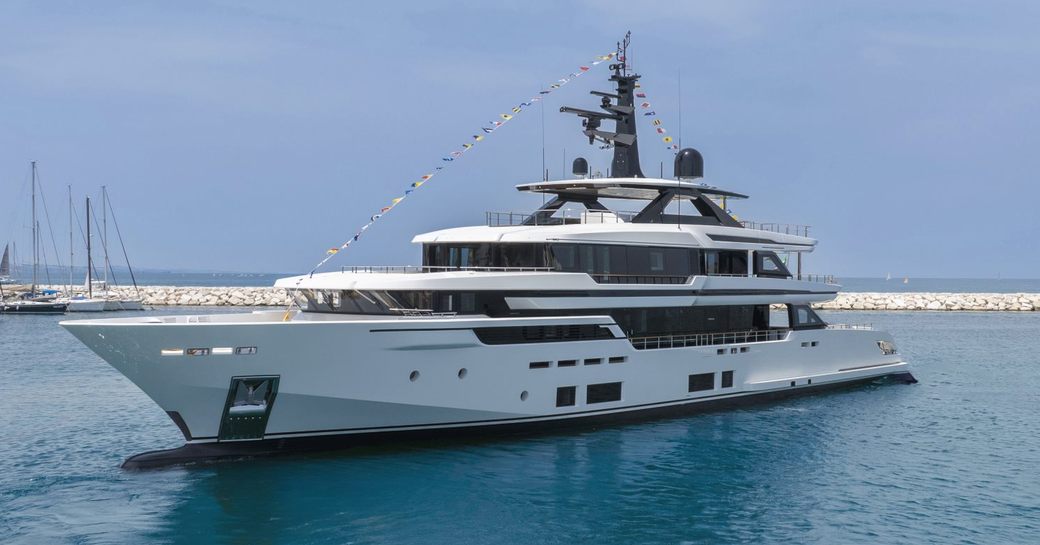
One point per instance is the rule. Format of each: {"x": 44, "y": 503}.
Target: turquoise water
{"x": 952, "y": 459}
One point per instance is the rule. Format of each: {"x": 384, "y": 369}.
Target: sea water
{"x": 953, "y": 459}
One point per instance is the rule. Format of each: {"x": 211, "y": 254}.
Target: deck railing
{"x": 708, "y": 339}
{"x": 822, "y": 278}
{"x": 783, "y": 228}
{"x": 857, "y": 327}
{"x": 559, "y": 217}
{"x": 415, "y": 269}
{"x": 599, "y": 278}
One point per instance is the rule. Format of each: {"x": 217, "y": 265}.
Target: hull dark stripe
{"x": 203, "y": 452}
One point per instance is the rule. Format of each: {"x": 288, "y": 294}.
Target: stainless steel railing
{"x": 857, "y": 327}
{"x": 784, "y": 228}
{"x": 415, "y": 269}
{"x": 559, "y": 217}
{"x": 708, "y": 339}
{"x": 822, "y": 278}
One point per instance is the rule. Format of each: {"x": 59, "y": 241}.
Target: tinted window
{"x": 566, "y": 257}
{"x": 702, "y": 382}
{"x": 656, "y": 260}
{"x": 565, "y": 396}
{"x": 602, "y": 393}
{"x": 803, "y": 317}
{"x": 638, "y": 260}
{"x": 769, "y": 264}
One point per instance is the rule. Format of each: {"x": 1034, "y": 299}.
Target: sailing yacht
{"x": 83, "y": 302}
{"x": 5, "y": 266}
{"x": 574, "y": 315}
{"x": 114, "y": 302}
{"x": 33, "y": 302}
{"x": 97, "y": 296}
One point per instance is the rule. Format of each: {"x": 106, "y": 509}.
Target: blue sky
{"x": 251, "y": 136}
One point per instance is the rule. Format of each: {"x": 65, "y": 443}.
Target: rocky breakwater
{"x": 935, "y": 301}
{"x": 205, "y": 296}
{"x": 278, "y": 297}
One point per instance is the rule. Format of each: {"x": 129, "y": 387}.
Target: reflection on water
{"x": 942, "y": 461}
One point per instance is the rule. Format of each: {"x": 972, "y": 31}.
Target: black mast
{"x": 623, "y": 113}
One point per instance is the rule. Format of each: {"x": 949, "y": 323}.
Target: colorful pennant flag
{"x": 451, "y": 157}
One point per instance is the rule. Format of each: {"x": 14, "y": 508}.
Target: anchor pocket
{"x": 248, "y": 407}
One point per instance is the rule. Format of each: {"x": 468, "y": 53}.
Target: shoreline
{"x": 263, "y": 296}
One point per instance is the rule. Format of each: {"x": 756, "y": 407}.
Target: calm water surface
{"x": 950, "y": 460}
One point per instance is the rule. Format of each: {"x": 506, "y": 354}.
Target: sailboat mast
{"x": 36, "y": 254}
{"x": 72, "y": 252}
{"x": 90, "y": 263}
{"x": 104, "y": 230}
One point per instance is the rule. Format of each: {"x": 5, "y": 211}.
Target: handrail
{"x": 823, "y": 278}
{"x": 783, "y": 228}
{"x": 422, "y": 313}
{"x": 557, "y": 217}
{"x": 415, "y": 269}
{"x": 708, "y": 339}
{"x": 856, "y": 327}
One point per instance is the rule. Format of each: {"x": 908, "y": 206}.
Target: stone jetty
{"x": 267, "y": 296}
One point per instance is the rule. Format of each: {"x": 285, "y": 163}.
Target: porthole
{"x": 523, "y": 395}
{"x": 414, "y": 376}
{"x": 462, "y": 373}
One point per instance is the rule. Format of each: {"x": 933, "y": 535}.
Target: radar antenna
{"x": 622, "y": 113}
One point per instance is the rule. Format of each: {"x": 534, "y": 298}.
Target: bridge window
{"x": 804, "y": 317}
{"x": 769, "y": 264}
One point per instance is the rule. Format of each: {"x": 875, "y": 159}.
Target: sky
{"x": 252, "y": 135}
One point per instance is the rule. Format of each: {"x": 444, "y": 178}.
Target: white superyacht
{"x": 577, "y": 314}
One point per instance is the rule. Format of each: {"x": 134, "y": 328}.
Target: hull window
{"x": 727, "y": 379}
{"x": 701, "y": 382}
{"x": 566, "y": 396}
{"x": 541, "y": 334}
{"x": 603, "y": 393}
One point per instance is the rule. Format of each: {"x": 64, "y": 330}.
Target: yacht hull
{"x": 343, "y": 382}
{"x": 33, "y": 307}
{"x": 86, "y": 305}
{"x": 200, "y": 452}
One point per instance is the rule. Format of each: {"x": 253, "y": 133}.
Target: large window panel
{"x": 565, "y": 257}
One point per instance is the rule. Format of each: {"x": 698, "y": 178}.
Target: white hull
{"x": 86, "y": 305}
{"x": 351, "y": 375}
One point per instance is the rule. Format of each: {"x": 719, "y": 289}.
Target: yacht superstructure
{"x": 572, "y": 315}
